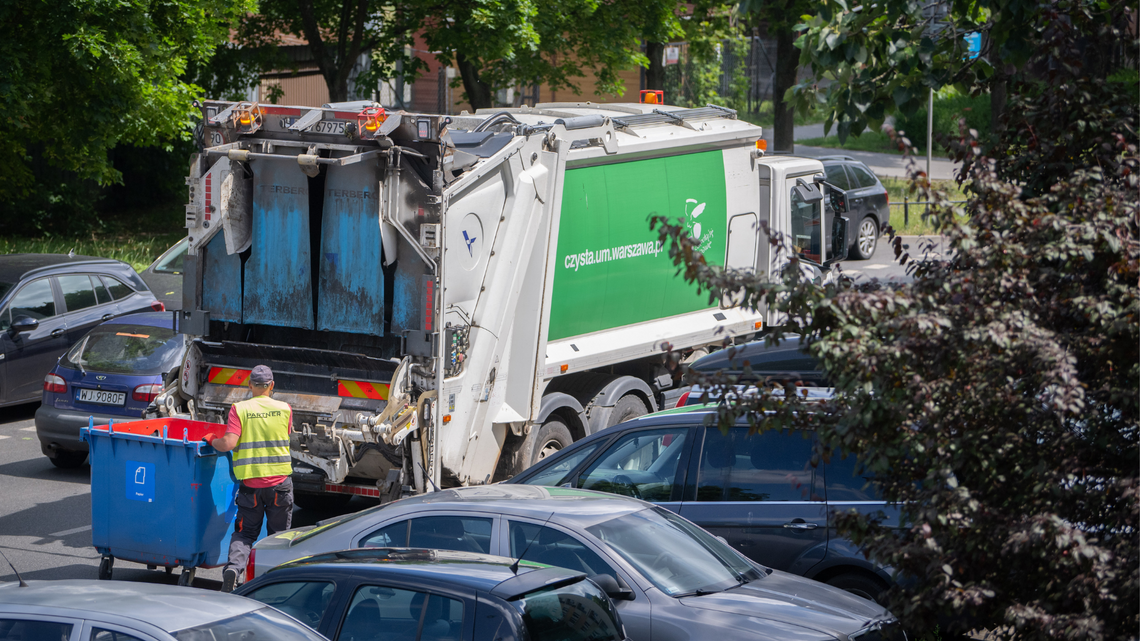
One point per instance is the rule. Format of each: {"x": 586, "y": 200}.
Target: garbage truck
{"x": 446, "y": 299}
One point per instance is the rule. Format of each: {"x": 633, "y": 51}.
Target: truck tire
{"x": 628, "y": 407}
{"x": 321, "y": 502}
{"x": 866, "y": 238}
{"x": 549, "y": 439}
{"x": 521, "y": 452}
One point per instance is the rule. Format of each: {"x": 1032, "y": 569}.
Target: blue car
{"x": 111, "y": 374}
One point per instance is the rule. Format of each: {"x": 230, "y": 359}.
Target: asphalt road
{"x": 883, "y": 265}
{"x": 45, "y": 514}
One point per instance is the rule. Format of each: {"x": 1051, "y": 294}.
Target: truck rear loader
{"x": 446, "y": 299}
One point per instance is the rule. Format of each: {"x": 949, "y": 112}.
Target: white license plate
{"x": 101, "y": 397}
{"x": 328, "y": 127}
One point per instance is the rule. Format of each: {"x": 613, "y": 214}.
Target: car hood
{"x": 796, "y": 601}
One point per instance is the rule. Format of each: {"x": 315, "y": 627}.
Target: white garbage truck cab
{"x": 446, "y": 299}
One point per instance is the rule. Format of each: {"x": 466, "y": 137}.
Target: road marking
{"x": 4, "y": 436}
{"x": 28, "y": 429}
{"x": 875, "y": 266}
{"x": 71, "y": 531}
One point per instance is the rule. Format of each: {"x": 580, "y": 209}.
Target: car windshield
{"x": 264, "y": 624}
{"x": 676, "y": 556}
{"x": 579, "y": 611}
{"x": 126, "y": 349}
{"x": 171, "y": 263}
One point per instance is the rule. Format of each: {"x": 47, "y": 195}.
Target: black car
{"x": 868, "y": 205}
{"x": 759, "y": 492}
{"x": 436, "y": 595}
{"x": 164, "y": 275}
{"x": 50, "y": 301}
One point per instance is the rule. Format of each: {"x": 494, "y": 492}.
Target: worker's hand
{"x": 209, "y": 438}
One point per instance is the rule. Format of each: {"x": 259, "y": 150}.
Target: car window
{"x": 172, "y": 262}
{"x": 861, "y": 176}
{"x": 463, "y": 534}
{"x": 379, "y": 613}
{"x": 78, "y": 293}
{"x": 642, "y": 464}
{"x": 769, "y": 466}
{"x": 806, "y": 224}
{"x": 126, "y": 349}
{"x": 13, "y": 629}
{"x": 262, "y": 624}
{"x": 847, "y": 481}
{"x": 556, "y": 474}
{"x": 305, "y": 601}
{"x": 576, "y": 612}
{"x": 117, "y": 288}
{"x": 35, "y": 300}
{"x": 543, "y": 544}
{"x": 836, "y": 176}
{"x": 101, "y": 634}
{"x": 101, "y": 293}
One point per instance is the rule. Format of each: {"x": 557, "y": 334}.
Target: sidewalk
{"x": 881, "y": 164}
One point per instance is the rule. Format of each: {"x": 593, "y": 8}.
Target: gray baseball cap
{"x": 261, "y": 375}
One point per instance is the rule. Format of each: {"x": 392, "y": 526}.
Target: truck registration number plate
{"x": 102, "y": 397}
{"x": 328, "y": 127}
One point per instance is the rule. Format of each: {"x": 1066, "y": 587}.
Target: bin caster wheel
{"x": 186, "y": 577}
{"x": 151, "y": 566}
{"x": 169, "y": 570}
{"x": 105, "y": 567}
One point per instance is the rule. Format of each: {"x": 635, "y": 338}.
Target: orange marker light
{"x": 652, "y": 96}
{"x": 564, "y": 368}
{"x": 762, "y": 144}
{"x": 369, "y": 120}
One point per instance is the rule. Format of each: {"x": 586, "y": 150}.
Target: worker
{"x": 257, "y": 430}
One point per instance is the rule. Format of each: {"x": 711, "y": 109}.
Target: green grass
{"x": 874, "y": 141}
{"x": 137, "y": 250}
{"x": 898, "y": 189}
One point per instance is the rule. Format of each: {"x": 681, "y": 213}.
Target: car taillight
{"x": 147, "y": 393}
{"x": 158, "y": 306}
{"x": 54, "y": 384}
{"x": 888, "y": 199}
{"x": 681, "y": 401}
{"x": 249, "y": 565}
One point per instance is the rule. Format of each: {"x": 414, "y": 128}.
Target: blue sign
{"x": 140, "y": 481}
{"x": 973, "y": 45}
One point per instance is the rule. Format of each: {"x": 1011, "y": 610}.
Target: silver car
{"x": 119, "y": 611}
{"x": 663, "y": 572}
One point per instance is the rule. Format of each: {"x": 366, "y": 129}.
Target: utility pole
{"x": 929, "y": 131}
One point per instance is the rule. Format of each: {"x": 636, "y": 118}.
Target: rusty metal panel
{"x": 350, "y": 294}
{"x": 278, "y": 274}
{"x": 221, "y": 282}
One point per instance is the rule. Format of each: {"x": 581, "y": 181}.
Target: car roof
{"x": 169, "y": 607}
{"x": 13, "y": 267}
{"x": 444, "y": 567}
{"x": 835, "y": 157}
{"x": 151, "y": 319}
{"x": 581, "y": 508}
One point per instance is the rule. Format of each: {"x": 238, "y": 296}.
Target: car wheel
{"x": 860, "y": 585}
{"x": 866, "y": 238}
{"x": 321, "y": 502}
{"x": 628, "y": 407}
{"x": 67, "y": 460}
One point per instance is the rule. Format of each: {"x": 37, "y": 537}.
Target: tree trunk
{"x": 478, "y": 93}
{"x": 338, "y": 88}
{"x": 655, "y": 74}
{"x": 787, "y": 68}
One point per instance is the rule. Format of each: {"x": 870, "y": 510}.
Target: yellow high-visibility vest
{"x": 263, "y": 449}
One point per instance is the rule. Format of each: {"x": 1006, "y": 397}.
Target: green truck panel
{"x": 611, "y": 270}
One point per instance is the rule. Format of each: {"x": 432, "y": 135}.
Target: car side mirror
{"x": 614, "y": 587}
{"x": 22, "y": 324}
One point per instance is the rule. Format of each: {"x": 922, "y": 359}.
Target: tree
{"x": 995, "y": 397}
{"x": 80, "y": 78}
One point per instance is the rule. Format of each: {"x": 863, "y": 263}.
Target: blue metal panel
{"x": 278, "y": 274}
{"x": 350, "y": 294}
{"x": 406, "y": 305}
{"x": 221, "y": 282}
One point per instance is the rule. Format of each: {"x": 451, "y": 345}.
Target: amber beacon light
{"x": 652, "y": 96}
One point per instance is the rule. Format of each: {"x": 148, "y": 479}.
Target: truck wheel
{"x": 866, "y": 237}
{"x": 628, "y": 407}
{"x": 67, "y": 460}
{"x": 321, "y": 502}
{"x": 550, "y": 438}
{"x": 859, "y": 585}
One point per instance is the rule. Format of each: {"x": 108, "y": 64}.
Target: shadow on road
{"x": 42, "y": 469}
{"x": 45, "y": 519}
{"x": 16, "y": 413}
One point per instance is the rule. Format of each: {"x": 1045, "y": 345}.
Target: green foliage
{"x": 948, "y": 110}
{"x": 136, "y": 249}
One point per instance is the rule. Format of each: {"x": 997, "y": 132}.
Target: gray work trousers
{"x": 273, "y": 504}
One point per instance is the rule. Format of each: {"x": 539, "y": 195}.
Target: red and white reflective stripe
{"x": 209, "y": 198}
{"x": 358, "y": 490}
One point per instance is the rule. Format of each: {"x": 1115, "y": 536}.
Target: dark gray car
{"x": 759, "y": 492}
{"x": 671, "y": 580}
{"x": 164, "y": 275}
{"x": 868, "y": 205}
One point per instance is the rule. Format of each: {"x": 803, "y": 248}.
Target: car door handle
{"x": 107, "y": 317}
{"x": 800, "y": 525}
{"x": 56, "y": 333}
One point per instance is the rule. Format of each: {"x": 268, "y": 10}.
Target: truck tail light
{"x": 54, "y": 384}
{"x": 147, "y": 393}
{"x": 684, "y": 399}
{"x": 158, "y": 306}
{"x": 249, "y": 564}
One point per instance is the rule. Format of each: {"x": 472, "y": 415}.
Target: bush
{"x": 947, "y": 110}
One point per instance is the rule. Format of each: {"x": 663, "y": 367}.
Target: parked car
{"x": 47, "y": 303}
{"x": 668, "y": 575}
{"x": 868, "y": 204}
{"x": 90, "y": 610}
{"x": 111, "y": 374}
{"x": 164, "y": 275}
{"x": 435, "y": 595}
{"x": 759, "y": 492}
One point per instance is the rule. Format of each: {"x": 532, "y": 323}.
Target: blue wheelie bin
{"x": 160, "y": 495}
